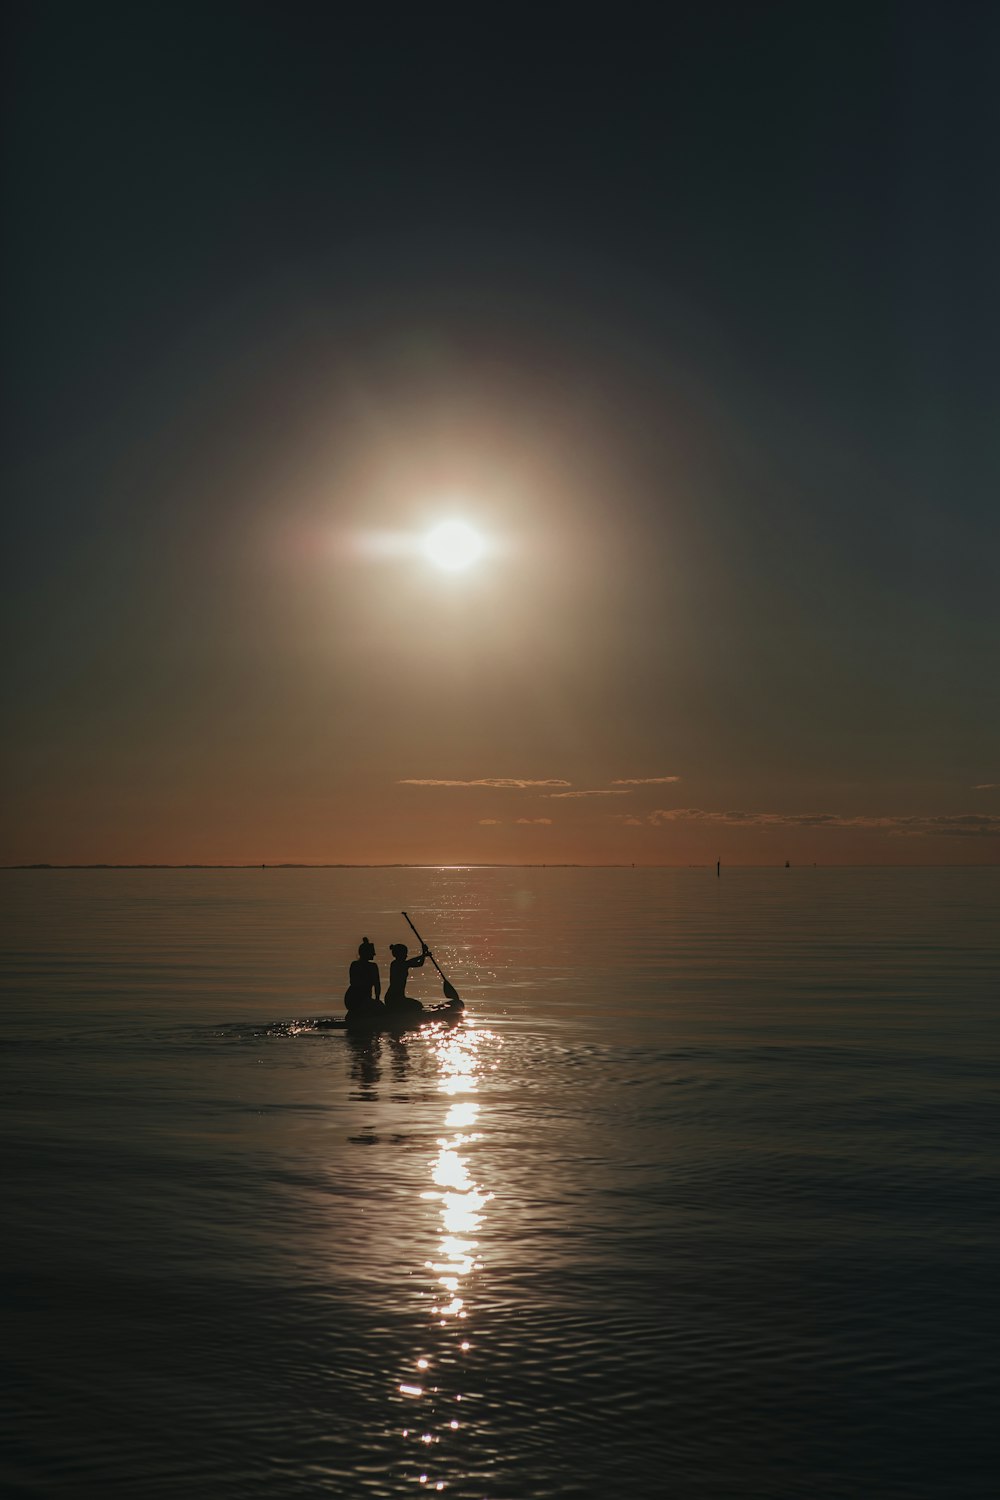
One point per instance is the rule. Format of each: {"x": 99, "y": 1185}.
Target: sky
{"x": 690, "y": 312}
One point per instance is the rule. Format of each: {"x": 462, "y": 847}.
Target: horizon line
{"x": 806, "y": 864}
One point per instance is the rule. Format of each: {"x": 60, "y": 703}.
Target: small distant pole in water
{"x": 788, "y": 864}
{"x": 718, "y": 868}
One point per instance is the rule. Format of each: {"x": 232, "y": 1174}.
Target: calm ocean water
{"x": 700, "y": 1200}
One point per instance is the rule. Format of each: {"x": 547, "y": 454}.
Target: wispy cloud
{"x": 953, "y": 825}
{"x": 504, "y": 783}
{"x": 949, "y": 825}
{"x": 600, "y": 792}
{"x": 987, "y": 786}
{"x": 497, "y": 822}
{"x": 643, "y": 780}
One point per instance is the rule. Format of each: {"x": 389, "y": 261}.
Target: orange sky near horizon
{"x": 483, "y": 825}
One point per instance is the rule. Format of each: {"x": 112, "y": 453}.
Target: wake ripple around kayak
{"x": 323, "y": 1025}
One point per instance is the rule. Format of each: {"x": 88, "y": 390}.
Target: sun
{"x": 454, "y": 545}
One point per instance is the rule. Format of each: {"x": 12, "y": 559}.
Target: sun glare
{"x": 454, "y": 545}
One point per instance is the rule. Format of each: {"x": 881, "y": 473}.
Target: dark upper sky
{"x": 699, "y": 311}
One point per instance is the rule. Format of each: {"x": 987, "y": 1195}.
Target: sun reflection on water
{"x": 457, "y": 1204}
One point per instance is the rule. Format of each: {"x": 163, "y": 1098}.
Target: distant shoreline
{"x": 391, "y": 865}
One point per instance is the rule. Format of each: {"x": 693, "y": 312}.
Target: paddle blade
{"x": 450, "y": 993}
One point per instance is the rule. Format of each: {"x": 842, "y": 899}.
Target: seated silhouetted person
{"x": 363, "y": 993}
{"x": 398, "y": 1003}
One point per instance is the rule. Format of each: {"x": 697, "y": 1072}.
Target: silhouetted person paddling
{"x": 397, "y": 1002}
{"x": 363, "y": 993}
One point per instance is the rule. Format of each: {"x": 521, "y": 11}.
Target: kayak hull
{"x": 366, "y": 1020}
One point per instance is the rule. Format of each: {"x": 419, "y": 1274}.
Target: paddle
{"x": 450, "y": 992}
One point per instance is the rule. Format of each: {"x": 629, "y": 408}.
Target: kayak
{"x": 398, "y": 1018}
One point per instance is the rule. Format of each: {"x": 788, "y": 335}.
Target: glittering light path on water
{"x": 433, "y": 1388}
